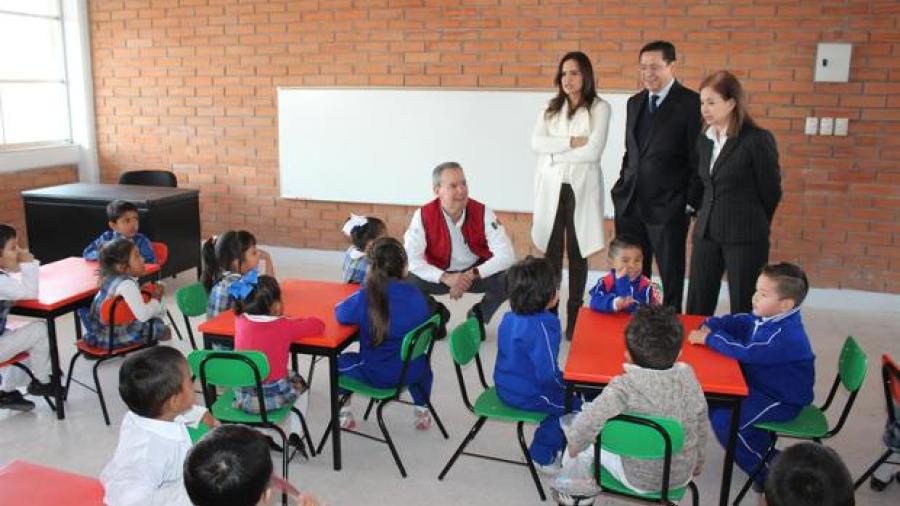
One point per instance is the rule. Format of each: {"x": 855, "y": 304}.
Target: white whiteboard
{"x": 380, "y": 145}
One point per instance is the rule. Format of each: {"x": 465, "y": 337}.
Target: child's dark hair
{"x": 387, "y": 262}
{"x": 621, "y": 242}
{"x": 117, "y": 208}
{"x": 7, "y": 232}
{"x": 362, "y": 235}
{"x": 809, "y": 474}
{"x": 229, "y": 466}
{"x": 790, "y": 280}
{"x": 151, "y": 377}
{"x": 261, "y": 299}
{"x": 531, "y": 284}
{"x": 654, "y": 336}
{"x": 219, "y": 253}
{"x": 113, "y": 254}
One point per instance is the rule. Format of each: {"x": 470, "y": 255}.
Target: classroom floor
{"x": 83, "y": 444}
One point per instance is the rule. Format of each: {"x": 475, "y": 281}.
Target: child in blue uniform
{"x": 775, "y": 356}
{"x": 362, "y": 231}
{"x": 625, "y": 287}
{"x": 526, "y": 373}
{"x": 123, "y": 222}
{"x": 385, "y": 309}
{"x": 225, "y": 259}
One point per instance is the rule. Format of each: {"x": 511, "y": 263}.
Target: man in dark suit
{"x": 658, "y": 184}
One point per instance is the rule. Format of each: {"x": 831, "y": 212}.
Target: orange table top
{"x": 25, "y": 483}
{"x": 598, "y": 351}
{"x": 66, "y": 281}
{"x": 301, "y": 298}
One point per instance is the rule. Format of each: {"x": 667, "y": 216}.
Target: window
{"x": 34, "y": 97}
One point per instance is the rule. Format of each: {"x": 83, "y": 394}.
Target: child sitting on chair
{"x": 123, "y": 222}
{"x": 653, "y": 384}
{"x": 31, "y": 338}
{"x": 225, "y": 259}
{"x": 232, "y": 465}
{"x": 120, "y": 267}
{"x": 776, "y": 359}
{"x": 362, "y": 231}
{"x": 625, "y": 287}
{"x": 808, "y": 474}
{"x": 146, "y": 468}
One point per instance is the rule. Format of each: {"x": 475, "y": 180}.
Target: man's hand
{"x": 699, "y": 336}
{"x": 458, "y": 282}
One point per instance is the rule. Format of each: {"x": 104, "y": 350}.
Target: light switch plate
{"x": 812, "y": 126}
{"x": 841, "y": 125}
{"x": 826, "y": 126}
{"x": 833, "y": 62}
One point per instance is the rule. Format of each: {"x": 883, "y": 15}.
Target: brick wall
{"x": 190, "y": 85}
{"x": 12, "y": 184}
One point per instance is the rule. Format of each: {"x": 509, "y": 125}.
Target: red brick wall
{"x": 12, "y": 184}
{"x": 190, "y": 85}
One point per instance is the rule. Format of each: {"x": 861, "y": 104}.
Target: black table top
{"x": 92, "y": 192}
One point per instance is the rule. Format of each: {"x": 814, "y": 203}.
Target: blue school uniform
{"x": 355, "y": 266}
{"x": 145, "y": 247}
{"x": 527, "y": 376}
{"x": 609, "y": 287}
{"x": 96, "y": 333}
{"x": 219, "y": 299}
{"x": 380, "y": 366}
{"x": 779, "y": 368}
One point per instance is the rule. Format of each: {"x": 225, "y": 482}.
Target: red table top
{"x": 66, "y": 281}
{"x": 301, "y": 298}
{"x": 25, "y": 483}
{"x": 598, "y": 351}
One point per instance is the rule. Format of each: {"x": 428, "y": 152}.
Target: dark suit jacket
{"x": 659, "y": 174}
{"x": 741, "y": 194}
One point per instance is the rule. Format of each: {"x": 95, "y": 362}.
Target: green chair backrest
{"x": 229, "y": 368}
{"x": 852, "y": 365}
{"x": 192, "y": 299}
{"x": 416, "y": 349}
{"x": 631, "y": 439}
{"x": 465, "y": 341}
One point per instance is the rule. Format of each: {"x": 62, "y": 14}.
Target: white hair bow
{"x": 354, "y": 221}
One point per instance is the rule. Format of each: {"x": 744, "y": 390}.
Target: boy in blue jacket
{"x": 625, "y": 287}
{"x": 123, "y": 222}
{"x": 526, "y": 373}
{"x": 775, "y": 356}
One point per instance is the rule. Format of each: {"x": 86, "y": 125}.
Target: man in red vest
{"x": 456, "y": 245}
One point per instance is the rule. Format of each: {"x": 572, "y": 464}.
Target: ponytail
{"x": 211, "y": 268}
{"x": 387, "y": 262}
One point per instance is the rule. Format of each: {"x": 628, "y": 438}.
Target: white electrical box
{"x": 833, "y": 62}
{"x": 812, "y": 126}
{"x": 841, "y": 126}
{"x": 826, "y": 126}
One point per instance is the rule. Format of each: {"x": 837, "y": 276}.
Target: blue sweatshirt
{"x": 609, "y": 287}
{"x": 774, "y": 353}
{"x": 527, "y": 351}
{"x": 145, "y": 247}
{"x": 408, "y": 309}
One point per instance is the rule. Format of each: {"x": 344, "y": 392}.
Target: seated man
{"x": 456, "y": 245}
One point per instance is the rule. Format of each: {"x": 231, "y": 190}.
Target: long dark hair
{"x": 113, "y": 255}
{"x": 219, "y": 253}
{"x": 261, "y": 299}
{"x": 588, "y": 88}
{"x": 362, "y": 235}
{"x": 728, "y": 87}
{"x": 387, "y": 262}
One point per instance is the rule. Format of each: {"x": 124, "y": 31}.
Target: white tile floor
{"x": 81, "y": 442}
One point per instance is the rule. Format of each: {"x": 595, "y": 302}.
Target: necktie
{"x": 654, "y": 99}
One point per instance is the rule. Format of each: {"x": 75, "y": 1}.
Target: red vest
{"x": 437, "y": 235}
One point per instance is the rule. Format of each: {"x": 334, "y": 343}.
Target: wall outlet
{"x": 841, "y": 125}
{"x": 826, "y": 126}
{"x": 812, "y": 126}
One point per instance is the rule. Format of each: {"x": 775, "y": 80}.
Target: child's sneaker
{"x": 346, "y": 420}
{"x": 422, "y": 418}
{"x": 15, "y": 401}
{"x": 40, "y": 389}
{"x": 571, "y": 500}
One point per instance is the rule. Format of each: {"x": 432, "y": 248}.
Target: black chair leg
{"x": 172, "y": 321}
{"x": 69, "y": 375}
{"x": 387, "y": 438}
{"x": 881, "y": 460}
{"x": 285, "y": 455}
{"x": 437, "y": 420}
{"x": 190, "y": 332}
{"x": 534, "y": 475}
{"x": 468, "y": 439}
{"x": 100, "y": 391}
{"x": 341, "y": 402}
{"x": 756, "y": 471}
{"x": 312, "y": 450}
{"x": 695, "y": 493}
{"x": 369, "y": 409}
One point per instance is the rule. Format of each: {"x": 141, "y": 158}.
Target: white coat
{"x": 559, "y": 163}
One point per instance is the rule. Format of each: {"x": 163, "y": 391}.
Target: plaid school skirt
{"x": 276, "y": 394}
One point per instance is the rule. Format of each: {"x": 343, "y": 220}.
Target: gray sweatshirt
{"x": 672, "y": 393}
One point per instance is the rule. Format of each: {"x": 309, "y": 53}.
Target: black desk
{"x": 62, "y": 220}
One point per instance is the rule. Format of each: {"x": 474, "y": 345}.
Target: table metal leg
{"x": 335, "y": 410}
{"x": 570, "y": 397}
{"x": 728, "y": 465}
{"x": 55, "y": 372}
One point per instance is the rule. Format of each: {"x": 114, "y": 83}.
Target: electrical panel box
{"x": 833, "y": 62}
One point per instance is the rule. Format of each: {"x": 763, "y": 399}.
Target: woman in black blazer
{"x": 738, "y": 165}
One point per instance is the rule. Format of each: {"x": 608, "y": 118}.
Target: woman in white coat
{"x": 569, "y": 138}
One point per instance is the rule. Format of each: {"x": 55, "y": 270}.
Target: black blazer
{"x": 741, "y": 194}
{"x": 659, "y": 174}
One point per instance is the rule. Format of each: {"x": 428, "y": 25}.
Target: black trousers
{"x": 493, "y": 288}
{"x": 742, "y": 263}
{"x": 563, "y": 236}
{"x": 667, "y": 243}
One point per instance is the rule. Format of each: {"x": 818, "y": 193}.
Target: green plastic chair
{"x": 416, "y": 343}
{"x": 642, "y": 437}
{"x": 191, "y": 301}
{"x": 233, "y": 369}
{"x": 465, "y": 343}
{"x": 811, "y": 422}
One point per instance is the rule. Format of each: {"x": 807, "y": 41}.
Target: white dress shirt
{"x": 718, "y": 143}
{"x": 662, "y": 94}
{"x": 147, "y": 468}
{"x": 461, "y": 257}
{"x": 21, "y": 286}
